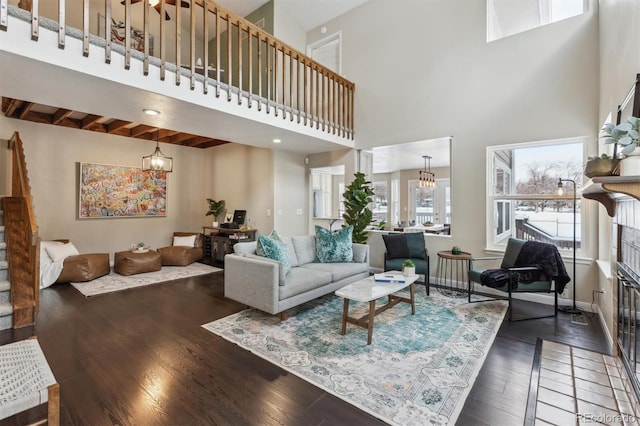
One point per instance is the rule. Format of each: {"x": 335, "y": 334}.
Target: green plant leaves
{"x": 357, "y": 197}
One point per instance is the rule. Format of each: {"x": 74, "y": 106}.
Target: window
{"x": 522, "y": 183}
{"x": 380, "y": 201}
{"x": 395, "y": 201}
{"x": 509, "y": 17}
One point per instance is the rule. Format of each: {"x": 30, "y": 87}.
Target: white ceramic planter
{"x": 409, "y": 271}
{"x": 630, "y": 165}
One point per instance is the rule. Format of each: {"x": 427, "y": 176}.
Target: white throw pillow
{"x": 44, "y": 257}
{"x": 188, "y": 241}
{"x": 60, "y": 252}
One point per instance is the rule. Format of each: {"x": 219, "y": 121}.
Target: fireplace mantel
{"x": 608, "y": 189}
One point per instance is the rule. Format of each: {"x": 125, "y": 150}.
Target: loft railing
{"x": 23, "y": 242}
{"x": 225, "y": 51}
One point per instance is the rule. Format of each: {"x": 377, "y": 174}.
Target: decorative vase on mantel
{"x": 602, "y": 167}
{"x": 630, "y": 165}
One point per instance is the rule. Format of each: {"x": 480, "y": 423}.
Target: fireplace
{"x": 627, "y": 297}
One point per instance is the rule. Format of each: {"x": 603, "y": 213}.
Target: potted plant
{"x": 602, "y": 165}
{"x": 408, "y": 268}
{"x": 216, "y": 208}
{"x": 357, "y": 197}
{"x": 624, "y": 134}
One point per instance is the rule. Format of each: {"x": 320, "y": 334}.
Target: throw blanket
{"x": 543, "y": 256}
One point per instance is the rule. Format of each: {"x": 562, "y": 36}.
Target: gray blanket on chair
{"x": 545, "y": 257}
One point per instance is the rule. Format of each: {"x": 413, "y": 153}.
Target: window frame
{"x": 492, "y": 198}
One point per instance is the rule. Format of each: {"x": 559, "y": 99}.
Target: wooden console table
{"x": 220, "y": 241}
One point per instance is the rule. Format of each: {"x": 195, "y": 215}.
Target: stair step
{"x": 4, "y": 264}
{"x": 5, "y": 285}
{"x": 6, "y": 316}
{"x": 6, "y": 309}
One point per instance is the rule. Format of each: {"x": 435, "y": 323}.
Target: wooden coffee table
{"x": 368, "y": 290}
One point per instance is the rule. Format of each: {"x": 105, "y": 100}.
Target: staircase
{"x": 6, "y": 309}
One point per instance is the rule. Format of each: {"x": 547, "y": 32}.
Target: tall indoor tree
{"x": 357, "y": 197}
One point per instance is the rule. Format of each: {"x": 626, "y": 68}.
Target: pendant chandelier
{"x": 157, "y": 162}
{"x": 427, "y": 179}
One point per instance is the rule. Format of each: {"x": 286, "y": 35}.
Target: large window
{"x": 522, "y": 192}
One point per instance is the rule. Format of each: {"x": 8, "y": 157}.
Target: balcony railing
{"x": 227, "y": 53}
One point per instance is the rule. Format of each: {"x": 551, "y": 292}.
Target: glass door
{"x": 430, "y": 204}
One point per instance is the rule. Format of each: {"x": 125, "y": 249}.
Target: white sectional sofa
{"x": 261, "y": 283}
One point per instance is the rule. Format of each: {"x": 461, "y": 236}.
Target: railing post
{"x": 4, "y": 19}
{"x": 61, "y": 23}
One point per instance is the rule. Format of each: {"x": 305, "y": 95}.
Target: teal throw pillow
{"x": 333, "y": 247}
{"x": 273, "y": 249}
{"x": 272, "y": 236}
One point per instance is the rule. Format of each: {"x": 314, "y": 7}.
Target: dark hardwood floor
{"x": 140, "y": 357}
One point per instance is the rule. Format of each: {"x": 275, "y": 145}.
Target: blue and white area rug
{"x": 116, "y": 282}
{"x": 418, "y": 370}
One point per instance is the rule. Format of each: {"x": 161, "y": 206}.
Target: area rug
{"x": 418, "y": 370}
{"x": 117, "y": 282}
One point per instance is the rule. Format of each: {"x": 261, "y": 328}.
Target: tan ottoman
{"x": 130, "y": 263}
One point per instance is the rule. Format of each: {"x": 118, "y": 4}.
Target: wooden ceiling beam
{"x": 12, "y": 106}
{"x": 26, "y": 109}
{"x": 140, "y": 129}
{"x": 37, "y": 117}
{"x": 117, "y": 125}
{"x": 166, "y": 133}
{"x": 179, "y": 138}
{"x": 60, "y": 115}
{"x": 197, "y": 141}
{"x": 16, "y": 108}
{"x": 90, "y": 120}
{"x": 69, "y": 122}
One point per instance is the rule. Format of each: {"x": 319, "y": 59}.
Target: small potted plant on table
{"x": 408, "y": 268}
{"x": 216, "y": 208}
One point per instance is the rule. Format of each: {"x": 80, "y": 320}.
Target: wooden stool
{"x": 26, "y": 381}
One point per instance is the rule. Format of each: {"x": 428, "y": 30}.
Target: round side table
{"x": 452, "y": 273}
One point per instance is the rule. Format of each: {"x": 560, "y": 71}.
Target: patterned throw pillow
{"x": 273, "y": 247}
{"x": 332, "y": 247}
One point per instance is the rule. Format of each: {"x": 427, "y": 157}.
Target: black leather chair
{"x": 527, "y": 267}
{"x": 403, "y": 246}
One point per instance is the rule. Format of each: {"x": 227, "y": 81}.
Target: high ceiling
{"x": 308, "y": 14}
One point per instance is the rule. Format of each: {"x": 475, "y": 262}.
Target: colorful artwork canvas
{"x": 108, "y": 191}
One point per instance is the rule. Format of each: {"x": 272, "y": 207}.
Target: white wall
{"x": 619, "y": 64}
{"x": 430, "y": 73}
{"x": 290, "y": 188}
{"x": 286, "y": 29}
{"x": 243, "y": 177}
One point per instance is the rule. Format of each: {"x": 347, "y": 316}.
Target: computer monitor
{"x": 239, "y": 216}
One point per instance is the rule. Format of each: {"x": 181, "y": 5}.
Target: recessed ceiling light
{"x": 277, "y": 141}
{"x": 149, "y": 111}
